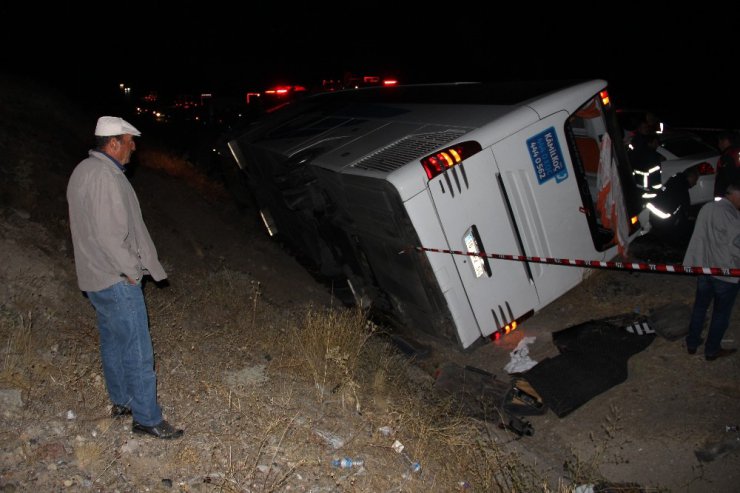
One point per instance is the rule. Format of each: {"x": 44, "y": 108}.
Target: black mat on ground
{"x": 593, "y": 359}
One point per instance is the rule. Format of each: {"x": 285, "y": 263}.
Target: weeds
{"x": 17, "y": 352}
{"x": 332, "y": 342}
{"x": 275, "y": 444}
{"x": 180, "y": 168}
{"x": 256, "y": 294}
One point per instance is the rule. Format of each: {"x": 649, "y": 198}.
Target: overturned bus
{"x": 350, "y": 179}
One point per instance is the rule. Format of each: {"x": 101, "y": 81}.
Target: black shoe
{"x": 162, "y": 430}
{"x": 118, "y": 411}
{"x": 692, "y": 349}
{"x": 720, "y": 354}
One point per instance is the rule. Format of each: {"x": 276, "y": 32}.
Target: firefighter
{"x": 644, "y": 154}
{"x": 669, "y": 210}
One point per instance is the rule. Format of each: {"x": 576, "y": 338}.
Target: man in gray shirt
{"x": 715, "y": 243}
{"x": 113, "y": 251}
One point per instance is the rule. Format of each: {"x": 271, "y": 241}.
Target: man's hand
{"x": 128, "y": 279}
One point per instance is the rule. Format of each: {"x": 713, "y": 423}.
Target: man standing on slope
{"x": 113, "y": 251}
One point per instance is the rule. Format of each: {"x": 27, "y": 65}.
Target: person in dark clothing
{"x": 645, "y": 160}
{"x": 669, "y": 210}
{"x": 644, "y": 154}
{"x": 728, "y": 165}
{"x": 641, "y": 135}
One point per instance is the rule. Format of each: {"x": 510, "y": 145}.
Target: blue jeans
{"x": 723, "y": 294}
{"x": 126, "y": 350}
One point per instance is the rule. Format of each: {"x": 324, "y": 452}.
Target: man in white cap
{"x": 113, "y": 251}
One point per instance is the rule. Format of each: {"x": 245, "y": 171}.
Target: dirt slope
{"x": 228, "y": 330}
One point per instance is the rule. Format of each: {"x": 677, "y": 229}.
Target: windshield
{"x": 685, "y": 146}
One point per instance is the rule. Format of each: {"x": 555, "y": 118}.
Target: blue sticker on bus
{"x": 547, "y": 158}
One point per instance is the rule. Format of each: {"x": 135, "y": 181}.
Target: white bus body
{"x": 341, "y": 178}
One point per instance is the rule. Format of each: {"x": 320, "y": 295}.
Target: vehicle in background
{"x": 277, "y": 96}
{"x": 274, "y": 97}
{"x": 349, "y": 179}
{"x": 354, "y": 81}
{"x": 680, "y": 150}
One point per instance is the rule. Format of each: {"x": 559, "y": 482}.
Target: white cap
{"x": 113, "y": 125}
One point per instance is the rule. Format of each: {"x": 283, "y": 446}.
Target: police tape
{"x": 593, "y": 264}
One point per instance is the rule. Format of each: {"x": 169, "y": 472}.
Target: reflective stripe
{"x": 657, "y": 212}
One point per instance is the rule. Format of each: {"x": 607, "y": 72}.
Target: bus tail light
{"x": 449, "y": 157}
{"x": 508, "y": 327}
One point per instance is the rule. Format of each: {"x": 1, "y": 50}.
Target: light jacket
{"x": 109, "y": 236}
{"x": 716, "y": 238}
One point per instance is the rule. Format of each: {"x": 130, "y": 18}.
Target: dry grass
{"x": 464, "y": 451}
{"x": 269, "y": 396}
{"x": 325, "y": 375}
{"x": 260, "y": 389}
{"x": 331, "y": 342}
{"x": 180, "y": 168}
{"x": 454, "y": 451}
{"x": 17, "y": 349}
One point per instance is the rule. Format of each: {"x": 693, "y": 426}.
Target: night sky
{"x": 678, "y": 63}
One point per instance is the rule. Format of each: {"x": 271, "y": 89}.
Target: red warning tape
{"x": 596, "y": 264}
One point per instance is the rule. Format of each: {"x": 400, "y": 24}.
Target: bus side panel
{"x": 420, "y": 209}
{"x": 472, "y": 211}
{"x": 540, "y": 182}
{"x": 369, "y": 228}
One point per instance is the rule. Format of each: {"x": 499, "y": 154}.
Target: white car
{"x": 681, "y": 150}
